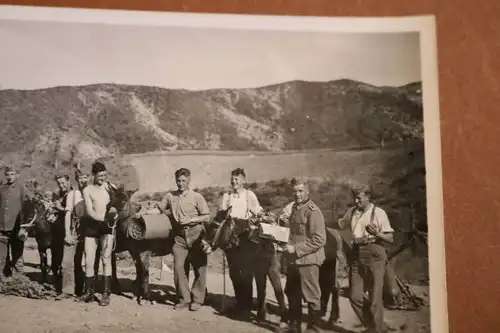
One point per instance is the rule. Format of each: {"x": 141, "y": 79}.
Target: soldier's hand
{"x": 290, "y": 249}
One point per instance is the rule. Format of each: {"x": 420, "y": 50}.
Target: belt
{"x": 364, "y": 241}
{"x": 187, "y": 226}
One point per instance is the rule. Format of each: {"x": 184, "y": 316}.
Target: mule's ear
{"x": 132, "y": 192}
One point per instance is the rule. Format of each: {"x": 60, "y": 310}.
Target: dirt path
{"x": 125, "y": 315}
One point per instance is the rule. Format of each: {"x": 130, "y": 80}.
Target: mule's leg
{"x": 274, "y": 274}
{"x": 115, "y": 283}
{"x": 44, "y": 267}
{"x": 326, "y": 275}
{"x": 144, "y": 261}
{"x": 138, "y": 284}
{"x": 260, "y": 274}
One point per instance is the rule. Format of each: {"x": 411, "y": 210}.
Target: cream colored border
{"x": 423, "y": 24}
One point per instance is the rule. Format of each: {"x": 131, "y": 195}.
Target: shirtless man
{"x": 98, "y": 231}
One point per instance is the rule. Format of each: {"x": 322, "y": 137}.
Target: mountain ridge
{"x": 54, "y": 127}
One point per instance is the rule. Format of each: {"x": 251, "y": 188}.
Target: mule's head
{"x": 29, "y": 218}
{"x": 120, "y": 205}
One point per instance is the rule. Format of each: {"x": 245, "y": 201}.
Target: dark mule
{"x": 258, "y": 257}
{"x": 39, "y": 226}
{"x": 140, "y": 250}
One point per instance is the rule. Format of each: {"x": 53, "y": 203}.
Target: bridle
{"x": 113, "y": 224}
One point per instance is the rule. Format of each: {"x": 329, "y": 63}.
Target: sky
{"x": 38, "y": 55}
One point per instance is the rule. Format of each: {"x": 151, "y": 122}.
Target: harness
{"x": 363, "y": 241}
{"x": 113, "y": 224}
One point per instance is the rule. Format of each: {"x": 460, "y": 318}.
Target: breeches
{"x": 302, "y": 282}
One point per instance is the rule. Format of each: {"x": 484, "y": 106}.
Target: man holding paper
{"x": 305, "y": 254}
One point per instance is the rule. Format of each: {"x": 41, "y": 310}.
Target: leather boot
{"x": 296, "y": 321}
{"x": 313, "y": 317}
{"x": 88, "y": 295}
{"x": 105, "y": 300}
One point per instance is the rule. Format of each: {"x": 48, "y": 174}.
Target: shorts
{"x": 95, "y": 229}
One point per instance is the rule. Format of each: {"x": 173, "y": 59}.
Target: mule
{"x": 141, "y": 251}
{"x": 260, "y": 258}
{"x": 46, "y": 234}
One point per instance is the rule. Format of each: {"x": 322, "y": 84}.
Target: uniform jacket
{"x": 11, "y": 199}
{"x": 307, "y": 234}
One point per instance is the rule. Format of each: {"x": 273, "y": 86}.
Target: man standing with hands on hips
{"x": 305, "y": 254}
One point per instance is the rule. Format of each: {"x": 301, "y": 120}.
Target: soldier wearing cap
{"x": 370, "y": 228}
{"x": 305, "y": 254}
{"x": 11, "y": 201}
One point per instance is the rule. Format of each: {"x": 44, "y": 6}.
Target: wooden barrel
{"x": 148, "y": 227}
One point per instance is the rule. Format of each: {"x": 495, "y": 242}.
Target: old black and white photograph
{"x": 168, "y": 172}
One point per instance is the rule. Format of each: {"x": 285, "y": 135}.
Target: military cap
{"x": 10, "y": 168}
{"x": 299, "y": 181}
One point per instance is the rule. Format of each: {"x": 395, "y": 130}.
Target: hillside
{"x": 57, "y": 126}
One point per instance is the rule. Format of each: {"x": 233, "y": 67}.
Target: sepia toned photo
{"x": 168, "y": 172}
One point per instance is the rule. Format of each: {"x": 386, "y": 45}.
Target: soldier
{"x": 188, "y": 211}
{"x": 370, "y": 228}
{"x": 305, "y": 254}
{"x": 57, "y": 244}
{"x": 11, "y": 202}
{"x": 98, "y": 233}
{"x": 72, "y": 270}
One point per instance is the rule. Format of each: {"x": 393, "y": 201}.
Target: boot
{"x": 313, "y": 317}
{"x": 88, "y": 295}
{"x": 295, "y": 316}
{"x": 296, "y": 326}
{"x": 105, "y": 300}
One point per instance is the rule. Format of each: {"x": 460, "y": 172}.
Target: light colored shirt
{"x": 72, "y": 199}
{"x": 189, "y": 203}
{"x": 243, "y": 203}
{"x": 360, "y": 220}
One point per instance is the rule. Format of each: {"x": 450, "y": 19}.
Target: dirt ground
{"x": 19, "y": 314}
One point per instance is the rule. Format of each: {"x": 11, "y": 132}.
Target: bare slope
{"x": 57, "y": 126}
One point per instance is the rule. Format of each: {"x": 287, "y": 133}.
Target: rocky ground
{"x": 21, "y": 314}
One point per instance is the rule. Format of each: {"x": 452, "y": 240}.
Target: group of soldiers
{"x": 82, "y": 214}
